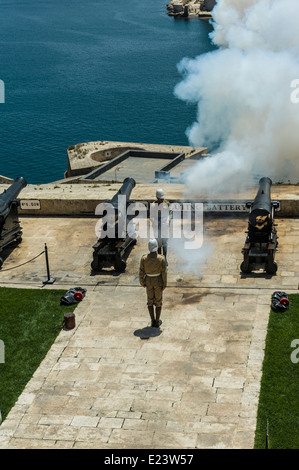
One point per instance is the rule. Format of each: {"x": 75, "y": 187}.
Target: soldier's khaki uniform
{"x": 153, "y": 276}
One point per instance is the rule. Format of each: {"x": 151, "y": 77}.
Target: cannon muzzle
{"x": 263, "y": 197}
{"x": 10, "y": 195}
{"x": 261, "y": 209}
{"x": 125, "y": 190}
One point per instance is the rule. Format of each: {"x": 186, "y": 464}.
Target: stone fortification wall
{"x": 80, "y": 200}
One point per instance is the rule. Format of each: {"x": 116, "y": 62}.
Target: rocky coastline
{"x": 191, "y": 8}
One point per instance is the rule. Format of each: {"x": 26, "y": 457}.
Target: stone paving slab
{"x": 103, "y": 387}
{"x": 196, "y": 385}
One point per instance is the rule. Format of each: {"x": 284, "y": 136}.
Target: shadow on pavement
{"x": 147, "y": 332}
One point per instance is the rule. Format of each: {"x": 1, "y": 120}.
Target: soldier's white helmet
{"x": 152, "y": 245}
{"x": 160, "y": 194}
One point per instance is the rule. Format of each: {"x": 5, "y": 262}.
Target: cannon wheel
{"x": 271, "y": 267}
{"x": 19, "y": 238}
{"x": 245, "y": 267}
{"x": 120, "y": 265}
{"x": 96, "y": 265}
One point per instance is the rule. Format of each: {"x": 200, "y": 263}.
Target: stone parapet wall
{"x": 82, "y": 199}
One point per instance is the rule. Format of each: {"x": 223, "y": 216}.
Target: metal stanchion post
{"x": 49, "y": 280}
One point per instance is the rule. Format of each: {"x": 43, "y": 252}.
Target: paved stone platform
{"x": 195, "y": 385}
{"x": 86, "y": 156}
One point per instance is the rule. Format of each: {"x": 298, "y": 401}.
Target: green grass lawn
{"x": 279, "y": 395}
{"x": 28, "y": 318}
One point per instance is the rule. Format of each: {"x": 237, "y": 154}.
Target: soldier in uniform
{"x": 162, "y": 223}
{"x": 153, "y": 276}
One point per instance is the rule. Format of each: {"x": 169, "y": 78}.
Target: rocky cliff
{"x": 188, "y": 8}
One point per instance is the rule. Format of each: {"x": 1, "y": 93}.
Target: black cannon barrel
{"x": 263, "y": 197}
{"x": 125, "y": 190}
{"x": 10, "y": 194}
{"x": 115, "y": 249}
{"x": 261, "y": 209}
{"x": 261, "y": 241}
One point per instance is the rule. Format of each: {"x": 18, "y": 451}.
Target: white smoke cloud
{"x": 247, "y": 24}
{"x": 243, "y": 94}
{"x": 190, "y": 261}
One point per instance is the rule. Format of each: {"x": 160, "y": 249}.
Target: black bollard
{"x": 49, "y": 280}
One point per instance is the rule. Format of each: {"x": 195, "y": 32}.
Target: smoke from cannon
{"x": 242, "y": 91}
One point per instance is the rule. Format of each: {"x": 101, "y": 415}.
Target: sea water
{"x": 81, "y": 70}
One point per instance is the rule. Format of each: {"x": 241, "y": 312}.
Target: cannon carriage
{"x": 115, "y": 250}
{"x": 10, "y": 229}
{"x": 262, "y": 240}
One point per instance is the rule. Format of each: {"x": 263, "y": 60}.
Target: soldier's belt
{"x": 153, "y": 275}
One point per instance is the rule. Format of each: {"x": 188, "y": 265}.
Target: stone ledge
{"x": 82, "y": 199}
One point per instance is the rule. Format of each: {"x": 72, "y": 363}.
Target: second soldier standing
{"x": 161, "y": 225}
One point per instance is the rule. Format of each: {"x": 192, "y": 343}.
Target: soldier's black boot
{"x": 158, "y": 314}
{"x": 152, "y": 315}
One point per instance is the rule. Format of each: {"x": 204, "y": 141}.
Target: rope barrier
{"x": 48, "y": 280}
{"x": 14, "y": 267}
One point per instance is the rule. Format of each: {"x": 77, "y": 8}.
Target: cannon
{"x": 10, "y": 229}
{"x": 115, "y": 250}
{"x": 262, "y": 240}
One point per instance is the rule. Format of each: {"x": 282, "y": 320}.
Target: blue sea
{"x": 81, "y": 70}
